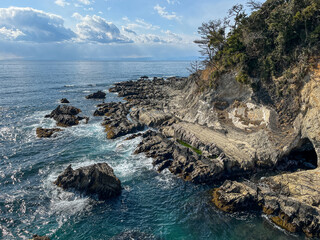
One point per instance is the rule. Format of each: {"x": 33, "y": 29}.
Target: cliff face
{"x": 231, "y": 131}
{"x": 242, "y": 127}
{"x": 257, "y": 135}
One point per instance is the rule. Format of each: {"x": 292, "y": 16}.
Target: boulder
{"x": 65, "y": 116}
{"x": 64, "y": 100}
{"x": 64, "y": 110}
{"x": 97, "y": 95}
{"x": 97, "y": 179}
{"x": 46, "y": 132}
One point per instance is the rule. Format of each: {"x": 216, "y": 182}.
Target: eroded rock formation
{"x": 97, "y": 179}
{"x": 225, "y": 132}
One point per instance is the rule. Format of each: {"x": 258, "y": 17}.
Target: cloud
{"x": 139, "y": 24}
{"x": 128, "y": 30}
{"x": 173, "y": 37}
{"x": 173, "y": 1}
{"x": 61, "y": 3}
{"x": 28, "y": 24}
{"x": 85, "y": 2}
{"x": 167, "y": 37}
{"x": 97, "y": 29}
{"x": 10, "y": 34}
{"x": 163, "y": 13}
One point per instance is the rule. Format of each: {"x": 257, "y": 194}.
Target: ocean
{"x": 151, "y": 202}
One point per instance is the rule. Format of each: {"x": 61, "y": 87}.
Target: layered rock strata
{"x": 223, "y": 132}
{"x": 289, "y": 200}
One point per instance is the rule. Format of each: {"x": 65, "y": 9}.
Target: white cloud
{"x": 163, "y": 13}
{"x": 173, "y": 1}
{"x": 128, "y": 30}
{"x": 61, "y": 3}
{"x": 85, "y": 2}
{"x": 77, "y": 16}
{"x": 28, "y": 24}
{"x": 166, "y": 37}
{"x": 10, "y": 34}
{"x": 173, "y": 37}
{"x": 97, "y": 29}
{"x": 139, "y": 24}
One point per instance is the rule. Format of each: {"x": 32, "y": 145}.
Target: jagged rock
{"x": 133, "y": 235}
{"x": 65, "y": 116}
{"x": 180, "y": 160}
{"x": 64, "y": 100}
{"x": 97, "y": 95}
{"x": 65, "y": 110}
{"x": 292, "y": 201}
{"x": 235, "y": 196}
{"x": 46, "y": 132}
{"x": 116, "y": 121}
{"x": 36, "y": 237}
{"x": 97, "y": 179}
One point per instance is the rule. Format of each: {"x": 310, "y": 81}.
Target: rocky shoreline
{"x": 208, "y": 137}
{"x": 221, "y": 134}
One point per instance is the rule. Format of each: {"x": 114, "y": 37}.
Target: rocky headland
{"x": 227, "y": 133}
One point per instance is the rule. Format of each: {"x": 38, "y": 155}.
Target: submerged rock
{"x": 134, "y": 235}
{"x": 36, "y": 237}
{"x": 96, "y": 95}
{"x": 64, "y": 100}
{"x": 46, "y": 132}
{"x": 97, "y": 179}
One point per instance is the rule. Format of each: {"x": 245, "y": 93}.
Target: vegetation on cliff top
{"x": 276, "y": 36}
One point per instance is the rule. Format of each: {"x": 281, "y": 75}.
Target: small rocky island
{"x": 95, "y": 180}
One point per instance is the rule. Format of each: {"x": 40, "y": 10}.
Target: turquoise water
{"x": 30, "y": 203}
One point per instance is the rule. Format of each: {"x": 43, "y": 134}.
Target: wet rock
{"x": 97, "y": 95}
{"x": 46, "y": 132}
{"x": 180, "y": 160}
{"x": 134, "y": 235}
{"x": 235, "y": 196}
{"x": 144, "y": 77}
{"x": 97, "y": 179}
{"x": 65, "y": 110}
{"x": 65, "y": 116}
{"x": 64, "y": 100}
{"x": 36, "y": 237}
{"x": 116, "y": 121}
{"x": 292, "y": 201}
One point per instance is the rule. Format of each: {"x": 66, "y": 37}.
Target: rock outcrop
{"x": 227, "y": 131}
{"x": 64, "y": 100}
{"x": 97, "y": 179}
{"x": 290, "y": 200}
{"x": 97, "y": 95}
{"x": 66, "y": 116}
{"x": 47, "y": 132}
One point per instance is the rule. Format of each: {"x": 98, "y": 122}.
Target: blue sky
{"x": 104, "y": 29}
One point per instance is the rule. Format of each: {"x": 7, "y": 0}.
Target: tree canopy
{"x": 265, "y": 43}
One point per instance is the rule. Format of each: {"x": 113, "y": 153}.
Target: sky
{"x": 105, "y": 29}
